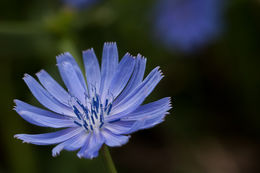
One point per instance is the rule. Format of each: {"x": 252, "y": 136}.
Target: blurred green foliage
{"x": 214, "y": 124}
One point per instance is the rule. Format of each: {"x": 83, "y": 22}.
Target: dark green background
{"x": 214, "y": 124}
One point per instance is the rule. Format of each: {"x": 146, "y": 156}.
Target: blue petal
{"x": 119, "y": 127}
{"x": 150, "y": 110}
{"x": 45, "y": 98}
{"x": 136, "y": 97}
{"x": 145, "y": 116}
{"x": 71, "y": 144}
{"x": 53, "y": 87}
{"x": 125, "y": 127}
{"x": 49, "y": 138}
{"x": 114, "y": 140}
{"x": 72, "y": 81}
{"x": 108, "y": 68}
{"x": 92, "y": 70}
{"x": 135, "y": 79}
{"x": 145, "y": 123}
{"x": 41, "y": 117}
{"x": 67, "y": 57}
{"x": 153, "y": 121}
{"x": 92, "y": 145}
{"x": 122, "y": 75}
{"x": 128, "y": 127}
{"x": 136, "y": 126}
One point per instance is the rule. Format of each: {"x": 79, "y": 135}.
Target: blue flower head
{"x": 187, "y": 24}
{"x": 105, "y": 110}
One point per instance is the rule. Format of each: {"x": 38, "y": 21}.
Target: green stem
{"x": 108, "y": 160}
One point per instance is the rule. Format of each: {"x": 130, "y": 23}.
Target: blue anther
{"x": 109, "y": 108}
{"x": 91, "y": 127}
{"x": 78, "y": 123}
{"x": 97, "y": 98}
{"x": 96, "y": 105}
{"x": 85, "y": 126}
{"x": 113, "y": 121}
{"x": 86, "y": 113}
{"x": 106, "y": 104}
{"x": 95, "y": 115}
{"x": 79, "y": 103}
{"x": 92, "y": 120}
{"x": 101, "y": 117}
{"x": 101, "y": 124}
{"x": 101, "y": 107}
{"x": 85, "y": 123}
{"x": 76, "y": 111}
{"x": 83, "y": 107}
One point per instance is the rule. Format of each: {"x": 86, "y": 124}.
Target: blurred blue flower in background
{"x": 187, "y": 24}
{"x": 106, "y": 109}
{"x": 79, "y": 4}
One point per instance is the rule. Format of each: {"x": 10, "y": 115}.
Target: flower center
{"x": 90, "y": 115}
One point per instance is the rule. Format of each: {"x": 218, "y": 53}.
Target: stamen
{"x": 85, "y": 123}
{"x": 91, "y": 114}
{"x": 78, "y": 123}
{"x": 97, "y": 97}
{"x": 95, "y": 115}
{"x": 83, "y": 107}
{"x": 85, "y": 126}
{"x": 101, "y": 117}
{"x": 106, "y": 104}
{"x": 101, "y": 124}
{"x": 76, "y": 111}
{"x": 92, "y": 120}
{"x": 101, "y": 106}
{"x": 109, "y": 108}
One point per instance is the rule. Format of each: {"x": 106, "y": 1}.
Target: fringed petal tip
{"x": 19, "y": 136}
{"x": 16, "y": 136}
{"x": 129, "y": 55}
{"x": 160, "y": 71}
{"x": 62, "y": 55}
{"x": 139, "y": 56}
{"x": 169, "y": 102}
{"x": 26, "y": 76}
{"x": 110, "y": 44}
{"x": 55, "y": 152}
{"x": 157, "y": 69}
{"x": 88, "y": 50}
{"x": 15, "y": 102}
{"x": 87, "y": 156}
{"x": 40, "y": 72}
